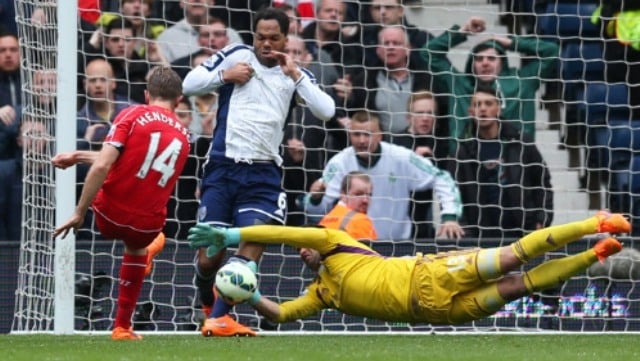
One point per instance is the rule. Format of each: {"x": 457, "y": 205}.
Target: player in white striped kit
{"x": 241, "y": 185}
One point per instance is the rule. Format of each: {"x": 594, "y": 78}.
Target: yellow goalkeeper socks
{"x": 553, "y": 272}
{"x": 487, "y": 300}
{"x": 548, "y": 239}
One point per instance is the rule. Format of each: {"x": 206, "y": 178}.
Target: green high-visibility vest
{"x": 625, "y": 26}
{"x": 628, "y": 28}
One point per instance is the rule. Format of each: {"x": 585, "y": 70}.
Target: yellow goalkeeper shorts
{"x": 442, "y": 285}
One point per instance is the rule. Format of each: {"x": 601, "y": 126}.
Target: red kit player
{"x": 129, "y": 183}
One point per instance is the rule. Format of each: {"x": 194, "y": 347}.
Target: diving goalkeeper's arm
{"x": 323, "y": 240}
{"x": 214, "y": 238}
{"x": 304, "y": 306}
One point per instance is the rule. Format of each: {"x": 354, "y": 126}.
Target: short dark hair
{"x": 4, "y": 33}
{"x": 164, "y": 83}
{"x": 485, "y": 88}
{"x": 488, "y": 89}
{"x": 118, "y": 23}
{"x": 273, "y": 14}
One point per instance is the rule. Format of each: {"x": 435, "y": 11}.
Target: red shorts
{"x": 134, "y": 233}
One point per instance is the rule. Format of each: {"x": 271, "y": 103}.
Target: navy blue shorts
{"x": 241, "y": 194}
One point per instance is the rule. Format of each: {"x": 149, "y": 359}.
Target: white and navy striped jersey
{"x": 251, "y": 117}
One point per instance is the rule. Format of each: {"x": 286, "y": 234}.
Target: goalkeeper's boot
{"x": 606, "y": 247}
{"x": 121, "y": 333}
{"x": 612, "y": 223}
{"x": 225, "y": 326}
{"x": 153, "y": 249}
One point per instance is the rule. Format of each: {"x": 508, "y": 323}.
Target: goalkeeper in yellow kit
{"x": 444, "y": 288}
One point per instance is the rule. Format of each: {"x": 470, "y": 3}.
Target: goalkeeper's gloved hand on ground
{"x": 213, "y": 238}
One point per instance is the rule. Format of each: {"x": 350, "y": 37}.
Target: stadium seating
{"x": 580, "y": 62}
{"x": 569, "y": 21}
{"x": 603, "y": 104}
{"x": 621, "y": 139}
{"x": 581, "y": 52}
{"x": 627, "y": 194}
{"x": 604, "y": 111}
{"x": 619, "y": 146}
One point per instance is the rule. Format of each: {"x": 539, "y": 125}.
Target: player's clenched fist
{"x": 63, "y": 160}
{"x": 474, "y": 25}
{"x": 317, "y": 189}
{"x": 239, "y": 74}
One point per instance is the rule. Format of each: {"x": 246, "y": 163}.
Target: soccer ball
{"x": 236, "y": 282}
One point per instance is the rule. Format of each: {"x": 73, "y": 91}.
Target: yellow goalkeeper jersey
{"x": 353, "y": 278}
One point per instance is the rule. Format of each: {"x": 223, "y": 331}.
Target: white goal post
{"x": 70, "y": 285}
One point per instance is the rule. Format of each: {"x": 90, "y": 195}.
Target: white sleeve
{"x": 201, "y": 80}
{"x": 206, "y": 77}
{"x": 319, "y": 102}
{"x": 444, "y": 187}
{"x": 448, "y": 194}
{"x": 332, "y": 176}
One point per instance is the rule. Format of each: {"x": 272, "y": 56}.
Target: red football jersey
{"x": 153, "y": 148}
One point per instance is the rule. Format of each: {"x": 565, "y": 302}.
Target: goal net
{"x": 587, "y": 136}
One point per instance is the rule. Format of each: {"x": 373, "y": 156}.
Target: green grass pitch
{"x": 596, "y": 347}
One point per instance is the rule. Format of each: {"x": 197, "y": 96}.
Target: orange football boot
{"x": 606, "y": 247}
{"x": 612, "y": 223}
{"x": 153, "y": 249}
{"x": 121, "y": 333}
{"x": 225, "y": 326}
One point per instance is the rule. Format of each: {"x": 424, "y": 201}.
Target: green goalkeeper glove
{"x": 214, "y": 238}
{"x": 255, "y": 298}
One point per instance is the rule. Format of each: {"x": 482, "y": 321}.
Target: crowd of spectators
{"x": 394, "y": 89}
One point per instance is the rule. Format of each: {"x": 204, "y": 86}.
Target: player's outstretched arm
{"x": 94, "y": 180}
{"x": 215, "y": 239}
{"x": 267, "y": 308}
{"x": 67, "y": 159}
{"x": 301, "y": 307}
